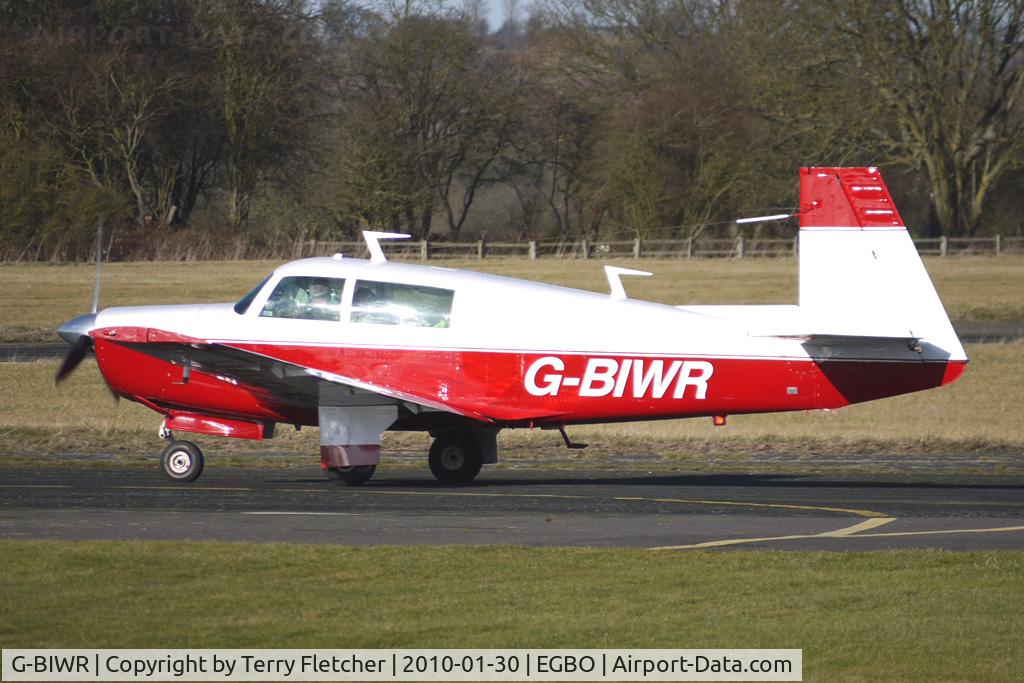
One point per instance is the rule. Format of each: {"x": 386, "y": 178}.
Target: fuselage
{"x": 501, "y": 350}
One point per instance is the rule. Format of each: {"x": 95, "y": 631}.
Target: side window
{"x": 387, "y": 303}
{"x": 305, "y": 298}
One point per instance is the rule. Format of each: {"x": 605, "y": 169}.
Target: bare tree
{"x": 950, "y": 73}
{"x": 427, "y": 116}
{"x": 265, "y": 70}
{"x": 475, "y": 12}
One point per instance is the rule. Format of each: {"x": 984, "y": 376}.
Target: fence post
{"x": 943, "y": 246}
{"x": 586, "y": 248}
{"x": 739, "y": 247}
{"x": 999, "y": 244}
{"x": 637, "y": 248}
{"x": 480, "y": 250}
{"x": 796, "y": 247}
{"x": 424, "y": 250}
{"x": 533, "y": 250}
{"x": 689, "y": 247}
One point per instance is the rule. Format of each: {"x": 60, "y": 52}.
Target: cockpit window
{"x": 243, "y": 304}
{"x": 306, "y": 298}
{"x": 387, "y": 303}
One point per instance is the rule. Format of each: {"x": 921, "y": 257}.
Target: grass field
{"x": 908, "y": 616}
{"x": 36, "y": 297}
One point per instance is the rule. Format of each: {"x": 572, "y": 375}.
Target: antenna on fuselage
{"x": 614, "y": 275}
{"x": 764, "y": 219}
{"x": 373, "y": 243}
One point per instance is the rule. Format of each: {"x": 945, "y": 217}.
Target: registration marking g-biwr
{"x": 629, "y": 377}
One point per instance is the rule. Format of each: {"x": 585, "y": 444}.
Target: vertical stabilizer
{"x": 860, "y": 273}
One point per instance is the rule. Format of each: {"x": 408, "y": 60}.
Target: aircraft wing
{"x": 299, "y": 386}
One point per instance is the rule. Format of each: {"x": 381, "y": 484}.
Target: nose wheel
{"x": 182, "y": 461}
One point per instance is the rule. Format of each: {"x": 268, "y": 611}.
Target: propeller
{"x": 79, "y": 350}
{"x": 76, "y": 331}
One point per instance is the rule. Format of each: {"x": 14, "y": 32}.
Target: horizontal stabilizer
{"x": 848, "y": 339}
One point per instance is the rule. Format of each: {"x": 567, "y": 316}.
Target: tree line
{"x": 241, "y": 127}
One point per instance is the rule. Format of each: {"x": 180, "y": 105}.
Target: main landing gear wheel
{"x": 350, "y": 476}
{"x": 455, "y": 458}
{"x": 182, "y": 461}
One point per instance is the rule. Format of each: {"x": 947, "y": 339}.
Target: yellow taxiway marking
{"x": 936, "y": 532}
{"x": 554, "y": 496}
{"x": 739, "y": 503}
{"x": 683, "y": 501}
{"x": 838, "y": 533}
{"x": 857, "y": 528}
{"x": 847, "y": 532}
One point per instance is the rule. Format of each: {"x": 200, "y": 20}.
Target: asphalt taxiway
{"x": 671, "y": 512}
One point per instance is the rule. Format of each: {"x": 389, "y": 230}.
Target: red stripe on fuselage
{"x": 534, "y": 388}
{"x": 598, "y": 388}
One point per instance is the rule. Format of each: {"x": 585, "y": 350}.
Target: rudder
{"x": 860, "y": 272}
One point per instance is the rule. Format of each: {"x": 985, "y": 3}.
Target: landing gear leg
{"x": 182, "y": 461}
{"x": 455, "y": 457}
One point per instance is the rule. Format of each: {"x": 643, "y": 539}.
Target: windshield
{"x": 306, "y": 298}
{"x": 243, "y": 304}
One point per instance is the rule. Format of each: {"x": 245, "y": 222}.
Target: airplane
{"x": 358, "y": 347}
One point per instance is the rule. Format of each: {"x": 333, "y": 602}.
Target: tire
{"x": 182, "y": 461}
{"x": 350, "y": 476}
{"x": 455, "y": 458}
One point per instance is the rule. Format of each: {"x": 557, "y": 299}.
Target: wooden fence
{"x": 689, "y": 248}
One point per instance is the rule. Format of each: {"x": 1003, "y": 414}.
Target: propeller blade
{"x": 99, "y": 260}
{"x": 76, "y": 354}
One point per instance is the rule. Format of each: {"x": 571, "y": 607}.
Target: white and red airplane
{"x": 359, "y": 347}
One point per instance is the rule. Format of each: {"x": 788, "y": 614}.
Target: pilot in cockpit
{"x": 323, "y": 302}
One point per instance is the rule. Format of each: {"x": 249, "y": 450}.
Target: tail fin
{"x": 860, "y": 273}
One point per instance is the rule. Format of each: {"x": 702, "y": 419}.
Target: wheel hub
{"x": 452, "y": 458}
{"x": 179, "y": 462}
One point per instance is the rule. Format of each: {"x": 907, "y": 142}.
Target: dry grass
{"x": 37, "y": 298}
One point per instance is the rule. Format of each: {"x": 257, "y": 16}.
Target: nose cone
{"x": 71, "y": 330}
